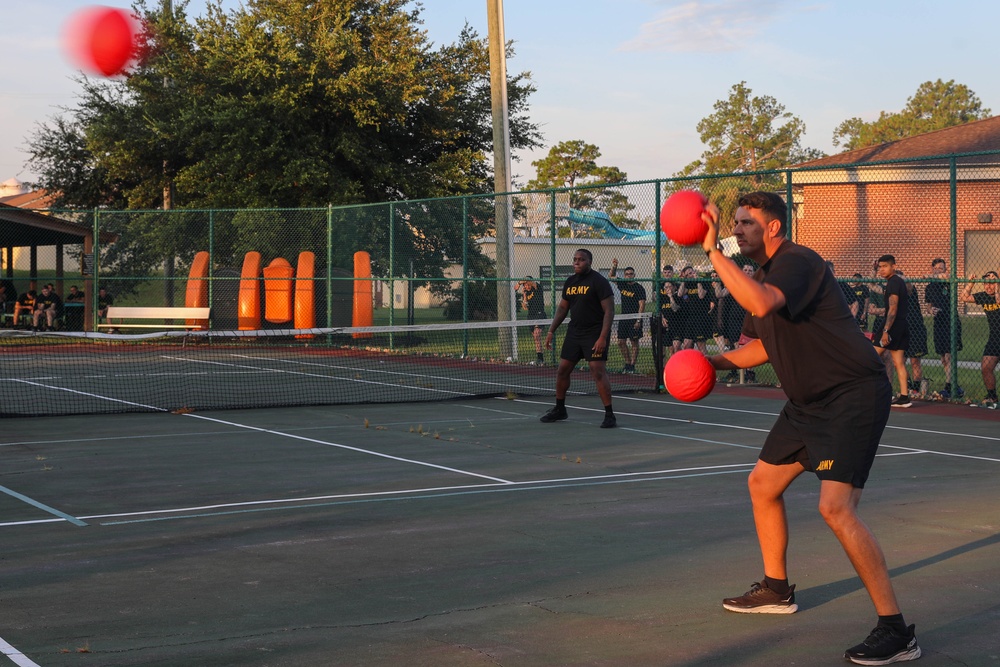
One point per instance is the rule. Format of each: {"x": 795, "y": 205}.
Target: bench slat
{"x": 153, "y": 313}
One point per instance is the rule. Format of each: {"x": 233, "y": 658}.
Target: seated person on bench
{"x": 49, "y": 305}
{"x": 24, "y": 306}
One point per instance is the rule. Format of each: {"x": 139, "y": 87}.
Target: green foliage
{"x": 573, "y": 164}
{"x": 749, "y": 134}
{"x": 935, "y": 106}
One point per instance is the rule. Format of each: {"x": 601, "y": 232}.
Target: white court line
{"x": 394, "y": 385}
{"x": 16, "y": 656}
{"x": 524, "y": 485}
{"x": 90, "y": 395}
{"x": 913, "y": 450}
{"x": 365, "y": 369}
{"x": 347, "y": 447}
{"x": 775, "y": 414}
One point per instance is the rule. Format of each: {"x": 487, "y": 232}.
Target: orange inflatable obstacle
{"x": 305, "y": 293}
{"x": 278, "y": 291}
{"x": 363, "y": 314}
{"x": 196, "y": 295}
{"x": 248, "y": 303}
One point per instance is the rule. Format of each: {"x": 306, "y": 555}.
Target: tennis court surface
{"x": 465, "y": 532}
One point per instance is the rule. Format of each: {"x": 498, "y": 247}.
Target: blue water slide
{"x": 600, "y": 220}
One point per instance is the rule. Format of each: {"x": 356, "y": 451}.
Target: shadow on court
{"x": 467, "y": 533}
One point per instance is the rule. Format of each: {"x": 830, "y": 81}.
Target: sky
{"x": 633, "y": 77}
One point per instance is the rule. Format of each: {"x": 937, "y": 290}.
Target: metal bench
{"x": 117, "y": 315}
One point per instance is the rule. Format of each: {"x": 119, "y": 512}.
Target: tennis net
{"x": 60, "y": 373}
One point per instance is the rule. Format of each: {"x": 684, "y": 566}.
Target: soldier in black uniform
{"x": 589, "y": 297}
{"x": 633, "y": 301}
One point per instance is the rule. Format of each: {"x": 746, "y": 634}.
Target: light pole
{"x": 503, "y": 205}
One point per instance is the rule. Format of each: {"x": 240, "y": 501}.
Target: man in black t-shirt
{"x": 838, "y": 406}
{"x": 861, "y": 300}
{"x": 588, "y": 297}
{"x": 894, "y": 335}
{"x": 633, "y": 297}
{"x": 991, "y": 353}
{"x": 533, "y": 301}
{"x": 938, "y": 295}
{"x": 47, "y": 305}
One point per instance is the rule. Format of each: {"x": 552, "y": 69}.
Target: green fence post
{"x": 552, "y": 265}
{"x": 953, "y": 278}
{"x": 392, "y": 264}
{"x": 329, "y": 266}
{"x": 97, "y": 270}
{"x": 657, "y": 339}
{"x": 465, "y": 274}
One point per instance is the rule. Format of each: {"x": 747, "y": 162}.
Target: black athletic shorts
{"x": 577, "y": 346}
{"x": 836, "y": 437}
{"x": 630, "y": 329}
{"x": 992, "y": 348}
{"x": 918, "y": 345}
{"x": 942, "y": 335}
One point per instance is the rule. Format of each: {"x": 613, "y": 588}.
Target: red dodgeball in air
{"x": 102, "y": 40}
{"x": 680, "y": 217}
{"x": 689, "y": 376}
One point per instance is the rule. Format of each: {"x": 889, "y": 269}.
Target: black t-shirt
{"x": 51, "y": 300}
{"x": 861, "y": 294}
{"x": 534, "y": 301}
{"x": 914, "y": 318}
{"x": 666, "y": 309}
{"x": 632, "y": 293}
{"x": 896, "y": 286}
{"x": 991, "y": 308}
{"x": 938, "y": 295}
{"x": 584, "y": 292}
{"x": 812, "y": 341}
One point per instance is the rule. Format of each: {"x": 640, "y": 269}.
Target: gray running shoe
{"x": 762, "y": 600}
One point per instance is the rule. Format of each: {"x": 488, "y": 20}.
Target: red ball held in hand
{"x": 680, "y": 217}
{"x": 689, "y": 376}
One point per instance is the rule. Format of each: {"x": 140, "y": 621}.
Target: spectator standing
{"x": 894, "y": 335}
{"x": 633, "y": 298}
{"x": 917, "y": 349}
{"x": 991, "y": 353}
{"x": 938, "y": 295}
{"x": 533, "y": 301}
{"x": 861, "y": 301}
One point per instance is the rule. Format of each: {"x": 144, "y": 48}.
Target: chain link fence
{"x": 436, "y": 261}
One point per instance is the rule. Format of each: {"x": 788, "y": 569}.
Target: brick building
{"x": 897, "y": 198}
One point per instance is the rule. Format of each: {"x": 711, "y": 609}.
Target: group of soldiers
{"x": 695, "y": 310}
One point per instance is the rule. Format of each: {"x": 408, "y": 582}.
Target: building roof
{"x": 974, "y": 137}
{"x": 36, "y": 199}
{"x": 27, "y": 228}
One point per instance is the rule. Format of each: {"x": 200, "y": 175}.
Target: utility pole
{"x": 503, "y": 205}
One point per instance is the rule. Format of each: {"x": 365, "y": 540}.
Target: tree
{"x": 935, "y": 106}
{"x": 573, "y": 164}
{"x": 286, "y": 104}
{"x": 745, "y": 135}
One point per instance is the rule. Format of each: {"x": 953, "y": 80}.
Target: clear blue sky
{"x": 633, "y": 77}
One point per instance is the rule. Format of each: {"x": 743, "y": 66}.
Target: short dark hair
{"x": 667, "y": 267}
{"x": 768, "y": 202}
{"x": 590, "y": 255}
{"x": 628, "y": 268}
{"x": 887, "y": 258}
{"x": 938, "y": 260}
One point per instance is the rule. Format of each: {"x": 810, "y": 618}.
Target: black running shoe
{"x": 762, "y": 600}
{"x": 885, "y": 646}
{"x": 554, "y": 415}
{"x": 902, "y": 401}
{"x": 610, "y": 421}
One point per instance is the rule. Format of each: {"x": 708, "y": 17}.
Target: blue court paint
{"x": 34, "y": 503}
